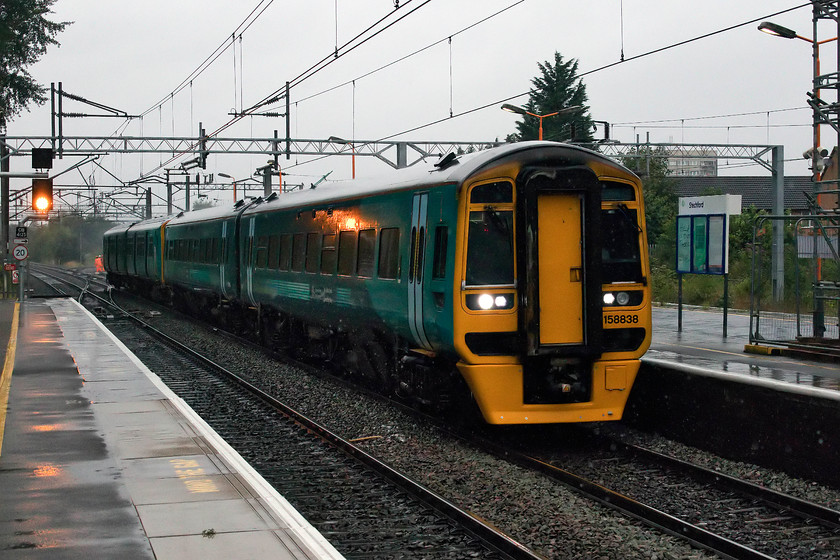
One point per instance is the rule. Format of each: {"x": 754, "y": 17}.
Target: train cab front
{"x": 543, "y": 253}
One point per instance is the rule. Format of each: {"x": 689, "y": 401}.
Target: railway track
{"x": 362, "y": 506}
{"x": 730, "y": 517}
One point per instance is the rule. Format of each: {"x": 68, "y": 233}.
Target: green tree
{"x": 68, "y": 240}
{"x": 558, "y": 86}
{"x": 25, "y": 34}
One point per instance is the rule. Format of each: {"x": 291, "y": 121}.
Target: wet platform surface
{"x": 100, "y": 460}
{"x": 702, "y": 346}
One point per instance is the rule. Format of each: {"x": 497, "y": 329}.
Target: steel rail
{"x": 798, "y": 506}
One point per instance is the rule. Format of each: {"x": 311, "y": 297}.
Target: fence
{"x": 806, "y": 314}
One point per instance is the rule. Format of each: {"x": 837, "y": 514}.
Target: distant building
{"x": 693, "y": 162}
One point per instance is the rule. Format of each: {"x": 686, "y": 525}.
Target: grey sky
{"x": 131, "y": 55}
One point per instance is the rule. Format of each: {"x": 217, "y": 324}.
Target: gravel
{"x": 532, "y": 509}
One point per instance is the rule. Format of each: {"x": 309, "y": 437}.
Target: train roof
{"x": 456, "y": 171}
{"x": 143, "y": 225}
{"x": 460, "y": 168}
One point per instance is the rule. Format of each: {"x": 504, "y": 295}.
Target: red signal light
{"x": 42, "y": 195}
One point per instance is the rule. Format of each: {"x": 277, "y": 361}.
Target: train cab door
{"x": 417, "y": 264}
{"x": 560, "y": 265}
{"x": 559, "y": 219}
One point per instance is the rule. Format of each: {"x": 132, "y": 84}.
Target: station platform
{"x": 99, "y": 459}
{"x": 701, "y": 349}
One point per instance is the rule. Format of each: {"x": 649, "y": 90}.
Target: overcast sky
{"x": 132, "y": 55}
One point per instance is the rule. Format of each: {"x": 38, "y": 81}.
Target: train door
{"x": 249, "y": 262}
{"x": 223, "y": 261}
{"x": 559, "y": 220}
{"x": 562, "y": 272}
{"x": 416, "y": 278}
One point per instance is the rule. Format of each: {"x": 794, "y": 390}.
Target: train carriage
{"x": 521, "y": 269}
{"x": 132, "y": 253}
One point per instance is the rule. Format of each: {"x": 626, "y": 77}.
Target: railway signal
{"x": 42, "y": 195}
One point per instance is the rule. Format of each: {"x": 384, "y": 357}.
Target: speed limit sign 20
{"x": 20, "y": 252}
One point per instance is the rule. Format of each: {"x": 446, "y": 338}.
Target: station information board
{"x": 703, "y": 233}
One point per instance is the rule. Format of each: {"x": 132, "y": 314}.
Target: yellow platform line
{"x": 6, "y": 375}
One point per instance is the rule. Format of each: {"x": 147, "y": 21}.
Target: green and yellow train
{"x": 522, "y": 270}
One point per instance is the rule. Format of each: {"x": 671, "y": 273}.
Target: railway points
{"x": 100, "y": 458}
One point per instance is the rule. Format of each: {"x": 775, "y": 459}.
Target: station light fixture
{"x": 42, "y": 195}
{"x": 520, "y": 111}
{"x": 777, "y": 30}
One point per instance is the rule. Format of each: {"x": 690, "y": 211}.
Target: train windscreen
{"x": 620, "y": 251}
{"x": 490, "y": 250}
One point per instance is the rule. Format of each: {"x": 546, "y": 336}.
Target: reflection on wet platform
{"x": 701, "y": 344}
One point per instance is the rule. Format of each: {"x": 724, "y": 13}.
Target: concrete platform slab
{"x": 100, "y": 459}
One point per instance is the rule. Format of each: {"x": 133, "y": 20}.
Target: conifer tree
{"x": 558, "y": 86}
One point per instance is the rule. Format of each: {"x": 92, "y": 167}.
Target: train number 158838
{"x": 621, "y": 319}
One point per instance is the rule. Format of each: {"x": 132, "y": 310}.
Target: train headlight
{"x": 485, "y": 301}
{"x": 490, "y": 302}
{"x": 623, "y": 298}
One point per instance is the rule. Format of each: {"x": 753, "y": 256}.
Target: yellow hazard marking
{"x": 758, "y": 356}
{"x": 6, "y": 375}
{"x": 188, "y": 470}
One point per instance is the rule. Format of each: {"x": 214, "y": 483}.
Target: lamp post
{"x": 226, "y": 176}
{"x": 785, "y": 33}
{"x": 339, "y": 140}
{"x": 779, "y": 31}
{"x": 521, "y": 111}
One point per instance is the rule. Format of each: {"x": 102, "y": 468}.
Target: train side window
{"x": 328, "y": 255}
{"x": 196, "y": 255}
{"x": 202, "y": 250}
{"x": 367, "y": 252}
{"x": 346, "y": 252}
{"x": 262, "y": 252}
{"x": 312, "y": 252}
{"x": 299, "y": 252}
{"x": 389, "y": 253}
{"x": 285, "y": 251}
{"x": 207, "y": 256}
{"x": 439, "y": 259}
{"x": 273, "y": 251}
